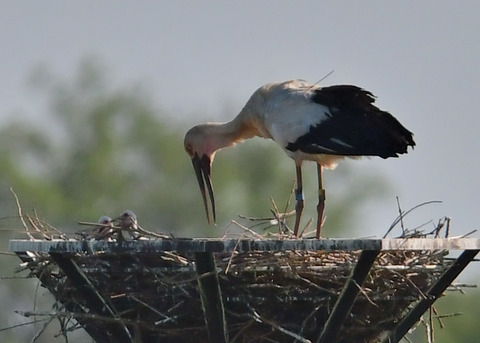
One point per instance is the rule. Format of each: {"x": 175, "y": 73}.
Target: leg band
{"x": 321, "y": 195}
{"x": 299, "y": 196}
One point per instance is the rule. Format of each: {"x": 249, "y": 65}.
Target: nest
{"x": 268, "y": 296}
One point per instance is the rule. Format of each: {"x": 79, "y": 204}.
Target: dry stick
{"x": 23, "y": 324}
{"x": 401, "y": 216}
{"x": 73, "y": 327}
{"x": 276, "y": 215}
{"x": 430, "y": 323}
{"x": 440, "y": 224}
{"x": 436, "y": 230}
{"x": 292, "y": 191}
{"x": 307, "y": 226}
{"x": 427, "y": 330}
{"x": 32, "y": 223}
{"x": 287, "y": 204}
{"x": 410, "y": 282}
{"x": 150, "y": 233}
{"x": 447, "y": 230}
{"x": 38, "y": 219}
{"x": 457, "y": 286}
{"x": 166, "y": 320}
{"x": 449, "y": 315}
{"x": 307, "y": 318}
{"x": 150, "y": 307}
{"x": 261, "y": 221}
{"x": 50, "y": 227}
{"x": 442, "y": 326}
{"x": 177, "y": 258}
{"x": 417, "y": 228}
{"x": 266, "y": 219}
{"x": 242, "y": 330}
{"x": 93, "y": 317}
{"x": 19, "y": 208}
{"x": 280, "y": 218}
{"x": 39, "y": 333}
{"x": 404, "y": 214}
{"x": 247, "y": 229}
{"x": 269, "y": 221}
{"x": 469, "y": 233}
{"x": 274, "y": 325}
{"x": 93, "y": 224}
{"x": 280, "y": 215}
{"x": 230, "y": 259}
{"x": 35, "y": 297}
{"x": 63, "y": 322}
{"x": 313, "y": 284}
{"x": 364, "y": 293}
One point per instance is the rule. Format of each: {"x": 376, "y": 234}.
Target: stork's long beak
{"x": 202, "y": 170}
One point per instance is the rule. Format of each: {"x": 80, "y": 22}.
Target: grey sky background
{"x": 197, "y": 58}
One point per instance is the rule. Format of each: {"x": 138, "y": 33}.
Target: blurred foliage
{"x": 100, "y": 150}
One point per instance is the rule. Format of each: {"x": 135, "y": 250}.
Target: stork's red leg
{"x": 299, "y": 198}
{"x": 321, "y": 201}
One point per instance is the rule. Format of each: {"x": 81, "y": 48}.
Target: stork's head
{"x": 105, "y": 221}
{"x": 127, "y": 220}
{"x": 200, "y": 146}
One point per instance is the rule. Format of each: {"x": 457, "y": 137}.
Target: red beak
{"x": 202, "y": 170}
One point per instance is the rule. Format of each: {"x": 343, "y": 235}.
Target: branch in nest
{"x": 403, "y": 214}
{"x": 19, "y": 208}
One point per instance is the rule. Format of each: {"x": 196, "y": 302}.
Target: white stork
{"x": 320, "y": 124}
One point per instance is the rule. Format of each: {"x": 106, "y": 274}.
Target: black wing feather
{"x": 356, "y": 126}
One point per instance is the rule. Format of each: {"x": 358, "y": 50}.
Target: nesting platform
{"x": 246, "y": 290}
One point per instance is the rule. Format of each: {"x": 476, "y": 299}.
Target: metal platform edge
{"x": 242, "y": 245}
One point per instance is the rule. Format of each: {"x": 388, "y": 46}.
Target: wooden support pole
{"x": 347, "y": 297}
{"x": 117, "y": 331}
{"x": 431, "y": 296}
{"x": 211, "y": 298}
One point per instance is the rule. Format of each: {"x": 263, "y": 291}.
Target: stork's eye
{"x": 189, "y": 149}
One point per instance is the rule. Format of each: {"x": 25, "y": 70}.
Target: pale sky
{"x": 420, "y": 58}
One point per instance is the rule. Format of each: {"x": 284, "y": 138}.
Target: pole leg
{"x": 211, "y": 297}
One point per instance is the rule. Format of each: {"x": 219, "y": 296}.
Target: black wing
{"x": 356, "y": 127}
